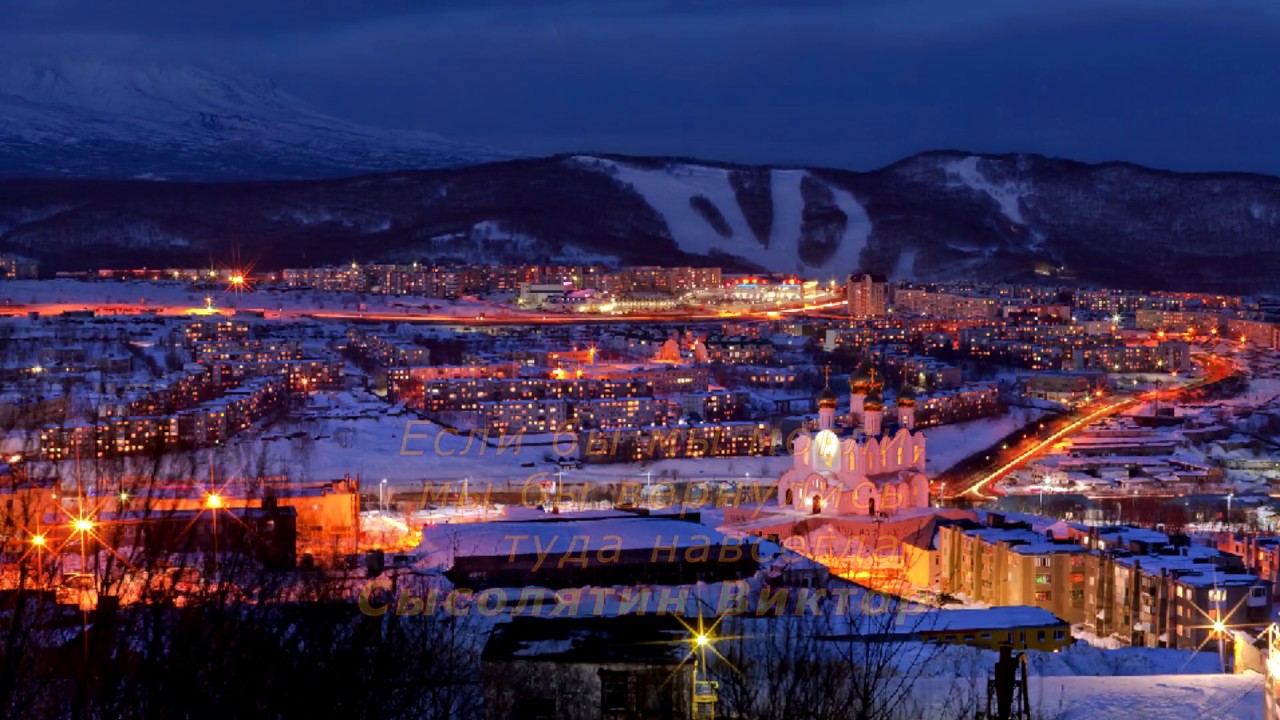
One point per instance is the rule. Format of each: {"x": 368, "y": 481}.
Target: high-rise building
{"x": 868, "y": 295}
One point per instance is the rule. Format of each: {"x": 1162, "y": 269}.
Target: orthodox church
{"x": 859, "y": 470}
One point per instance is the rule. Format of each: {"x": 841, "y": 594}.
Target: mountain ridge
{"x": 77, "y": 118}
{"x": 939, "y": 215}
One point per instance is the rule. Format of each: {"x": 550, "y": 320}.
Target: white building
{"x": 867, "y": 474}
{"x": 868, "y": 295}
{"x": 535, "y": 294}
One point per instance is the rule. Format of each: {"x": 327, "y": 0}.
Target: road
{"x": 481, "y": 317}
{"x": 979, "y": 489}
{"x": 979, "y": 486}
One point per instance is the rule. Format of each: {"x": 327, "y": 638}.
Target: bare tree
{"x": 858, "y": 656}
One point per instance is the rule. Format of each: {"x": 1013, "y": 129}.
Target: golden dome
{"x": 873, "y": 402}
{"x": 827, "y": 398}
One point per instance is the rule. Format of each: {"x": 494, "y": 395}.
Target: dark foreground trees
{"x": 236, "y": 660}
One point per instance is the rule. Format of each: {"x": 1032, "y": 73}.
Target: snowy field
{"x": 1261, "y": 391}
{"x": 354, "y": 433}
{"x": 949, "y": 444}
{"x": 364, "y": 436}
{"x": 1148, "y": 697}
{"x": 1088, "y": 683}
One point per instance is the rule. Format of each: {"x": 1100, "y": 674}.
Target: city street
{"x": 981, "y": 486}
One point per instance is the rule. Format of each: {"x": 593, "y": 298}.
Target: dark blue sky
{"x": 1183, "y": 84}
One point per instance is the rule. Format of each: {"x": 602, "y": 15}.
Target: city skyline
{"x": 639, "y": 360}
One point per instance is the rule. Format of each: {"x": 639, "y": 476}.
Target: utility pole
{"x": 1007, "y": 688}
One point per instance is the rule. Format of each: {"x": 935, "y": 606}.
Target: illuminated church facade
{"x": 867, "y": 473}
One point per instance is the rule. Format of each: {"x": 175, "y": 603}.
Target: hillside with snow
{"x": 68, "y": 118}
{"x": 812, "y": 226}
{"x": 932, "y": 217}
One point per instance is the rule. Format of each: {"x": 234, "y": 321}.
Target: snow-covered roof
{"x": 442, "y": 545}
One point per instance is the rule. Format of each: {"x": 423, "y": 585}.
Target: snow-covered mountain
{"x": 784, "y": 220}
{"x": 73, "y": 118}
{"x": 935, "y": 216}
{"x": 954, "y": 215}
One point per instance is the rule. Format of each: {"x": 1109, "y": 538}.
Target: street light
{"x": 382, "y": 501}
{"x": 1230, "y": 497}
{"x": 704, "y": 688}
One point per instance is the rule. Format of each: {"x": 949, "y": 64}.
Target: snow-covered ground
{"x": 1008, "y": 195}
{"x": 1086, "y": 682}
{"x": 354, "y": 433}
{"x": 207, "y": 122}
{"x": 1261, "y": 391}
{"x": 372, "y": 442}
{"x": 949, "y": 444}
{"x": 1148, "y": 697}
{"x": 670, "y": 192}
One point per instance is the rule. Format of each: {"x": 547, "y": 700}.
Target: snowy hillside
{"x": 706, "y": 216}
{"x": 932, "y": 217}
{"x": 88, "y": 119}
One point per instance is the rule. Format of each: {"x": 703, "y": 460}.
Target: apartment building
{"x": 1150, "y": 590}
{"x": 1259, "y": 553}
{"x": 715, "y": 406}
{"x": 1177, "y": 321}
{"x": 1141, "y": 587}
{"x": 531, "y": 416}
{"x": 868, "y": 295}
{"x": 695, "y": 440}
{"x": 965, "y": 403}
{"x": 1165, "y": 357}
{"x": 1256, "y": 332}
{"x": 1007, "y": 563}
{"x": 609, "y": 413}
{"x": 942, "y": 304}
